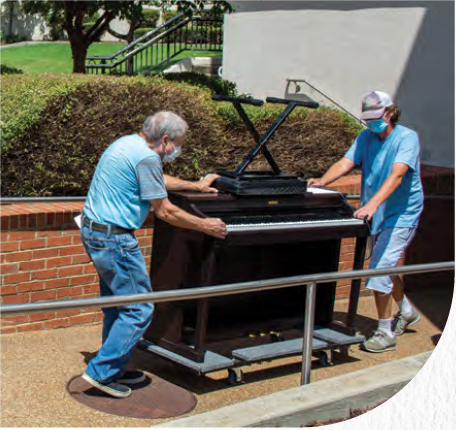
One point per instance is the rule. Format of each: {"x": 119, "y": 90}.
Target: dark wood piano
{"x": 277, "y": 227}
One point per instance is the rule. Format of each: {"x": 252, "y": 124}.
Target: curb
{"x": 322, "y": 400}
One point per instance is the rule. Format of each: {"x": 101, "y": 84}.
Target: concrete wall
{"x": 347, "y": 48}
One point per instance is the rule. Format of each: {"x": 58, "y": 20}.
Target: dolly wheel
{"x": 235, "y": 376}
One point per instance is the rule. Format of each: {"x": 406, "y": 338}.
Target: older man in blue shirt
{"x": 127, "y": 183}
{"x": 392, "y": 198}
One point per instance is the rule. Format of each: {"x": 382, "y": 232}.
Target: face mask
{"x": 171, "y": 157}
{"x": 377, "y": 125}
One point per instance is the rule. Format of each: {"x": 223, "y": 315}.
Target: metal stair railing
{"x": 159, "y": 46}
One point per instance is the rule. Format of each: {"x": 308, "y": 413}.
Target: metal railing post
{"x": 311, "y": 293}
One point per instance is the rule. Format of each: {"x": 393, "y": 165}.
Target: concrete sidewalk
{"x": 36, "y": 367}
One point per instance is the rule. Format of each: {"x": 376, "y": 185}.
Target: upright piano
{"x": 277, "y": 227}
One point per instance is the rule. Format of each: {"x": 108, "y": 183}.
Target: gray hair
{"x": 164, "y": 123}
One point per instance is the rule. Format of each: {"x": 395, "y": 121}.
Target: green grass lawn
{"x": 56, "y": 57}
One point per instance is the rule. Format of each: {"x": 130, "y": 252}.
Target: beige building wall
{"x": 346, "y": 49}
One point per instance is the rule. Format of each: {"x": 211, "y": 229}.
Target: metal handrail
{"x": 219, "y": 290}
{"x": 310, "y": 282}
{"x": 136, "y": 41}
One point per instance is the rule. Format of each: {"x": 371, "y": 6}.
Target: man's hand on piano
{"x": 314, "y": 182}
{"x": 204, "y": 184}
{"x": 367, "y": 211}
{"x": 214, "y": 227}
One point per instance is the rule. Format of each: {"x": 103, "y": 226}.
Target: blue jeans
{"x": 122, "y": 270}
{"x": 389, "y": 246}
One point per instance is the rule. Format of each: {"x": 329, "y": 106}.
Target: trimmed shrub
{"x": 150, "y": 18}
{"x": 57, "y": 127}
{"x": 141, "y": 32}
{"x": 9, "y": 70}
{"x": 215, "y": 84}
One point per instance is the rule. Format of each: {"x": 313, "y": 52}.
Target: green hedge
{"x": 215, "y": 84}
{"x": 55, "y": 128}
{"x": 9, "y": 70}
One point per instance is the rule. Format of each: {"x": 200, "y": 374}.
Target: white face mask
{"x": 171, "y": 157}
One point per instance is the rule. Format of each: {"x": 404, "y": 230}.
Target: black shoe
{"x": 131, "y": 377}
{"x": 112, "y": 388}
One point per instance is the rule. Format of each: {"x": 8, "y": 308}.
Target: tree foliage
{"x": 72, "y": 16}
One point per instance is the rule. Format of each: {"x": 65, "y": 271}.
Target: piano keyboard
{"x": 267, "y": 226}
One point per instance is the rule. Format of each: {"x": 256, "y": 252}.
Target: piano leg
{"x": 360, "y": 252}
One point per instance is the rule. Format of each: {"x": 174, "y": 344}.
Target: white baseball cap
{"x": 374, "y": 105}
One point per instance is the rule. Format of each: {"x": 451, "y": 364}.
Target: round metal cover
{"x": 153, "y": 398}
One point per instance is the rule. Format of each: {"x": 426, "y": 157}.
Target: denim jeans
{"x": 122, "y": 270}
{"x": 389, "y": 246}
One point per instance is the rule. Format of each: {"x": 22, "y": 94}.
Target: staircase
{"x": 154, "y": 50}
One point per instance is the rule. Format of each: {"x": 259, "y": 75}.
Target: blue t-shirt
{"x": 376, "y": 157}
{"x": 128, "y": 175}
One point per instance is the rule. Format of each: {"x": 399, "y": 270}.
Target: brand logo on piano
{"x": 273, "y": 202}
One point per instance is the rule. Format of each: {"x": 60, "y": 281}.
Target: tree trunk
{"x": 79, "y": 50}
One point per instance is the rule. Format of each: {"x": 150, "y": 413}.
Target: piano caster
{"x": 235, "y": 376}
{"x": 323, "y": 359}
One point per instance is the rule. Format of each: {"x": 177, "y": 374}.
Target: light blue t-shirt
{"x": 376, "y": 157}
{"x": 128, "y": 175}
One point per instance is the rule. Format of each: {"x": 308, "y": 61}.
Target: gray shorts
{"x": 389, "y": 246}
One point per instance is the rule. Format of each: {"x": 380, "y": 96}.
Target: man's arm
{"x": 174, "y": 215}
{"x": 343, "y": 166}
{"x": 398, "y": 172}
{"x": 203, "y": 185}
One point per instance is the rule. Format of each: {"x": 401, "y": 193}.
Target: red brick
{"x": 63, "y": 293}
{"x": 347, "y": 257}
{"x": 93, "y": 288}
{"x": 89, "y": 268}
{"x": 67, "y": 313}
{"x": 82, "y": 319}
{"x": 8, "y": 330}
{"x": 345, "y": 265}
{"x": 4, "y": 237}
{"x": 58, "y": 262}
{"x": 59, "y": 241}
{"x": 72, "y": 250}
{"x": 32, "y": 244}
{"x": 45, "y": 253}
{"x": 10, "y": 246}
{"x": 75, "y": 291}
{"x": 144, "y": 241}
{"x": 42, "y": 316}
{"x": 5, "y": 222}
{"x": 79, "y": 259}
{"x": 15, "y": 319}
{"x": 81, "y": 280}
{"x": 50, "y": 218}
{"x": 73, "y": 232}
{"x": 44, "y": 274}
{"x": 49, "y": 233}
{"x": 59, "y": 323}
{"x": 30, "y": 327}
{"x": 16, "y": 278}
{"x": 348, "y": 241}
{"x": 15, "y": 299}
{"x": 9, "y": 268}
{"x": 57, "y": 283}
{"x": 71, "y": 270}
{"x": 30, "y": 286}
{"x": 32, "y": 265}
{"x": 21, "y": 235}
{"x": 42, "y": 295}
{"x": 9, "y": 289}
{"x": 76, "y": 239}
{"x": 347, "y": 249}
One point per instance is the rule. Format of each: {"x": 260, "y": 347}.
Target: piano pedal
{"x": 276, "y": 336}
{"x": 235, "y": 376}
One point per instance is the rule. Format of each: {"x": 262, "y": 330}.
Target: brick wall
{"x": 42, "y": 258}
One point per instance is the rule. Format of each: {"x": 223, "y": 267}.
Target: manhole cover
{"x": 153, "y": 398}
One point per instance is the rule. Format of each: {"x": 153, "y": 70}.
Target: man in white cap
{"x": 392, "y": 199}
